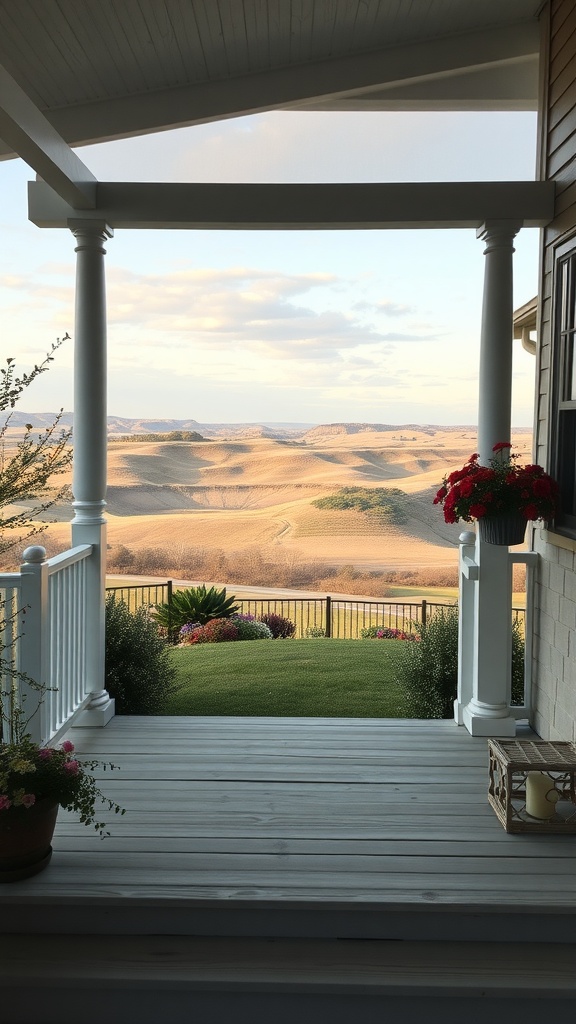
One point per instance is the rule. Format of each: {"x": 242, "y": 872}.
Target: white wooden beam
{"x": 321, "y": 207}
{"x": 31, "y": 136}
{"x": 414, "y": 65}
{"x": 512, "y": 86}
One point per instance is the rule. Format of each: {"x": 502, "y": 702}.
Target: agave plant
{"x": 196, "y": 604}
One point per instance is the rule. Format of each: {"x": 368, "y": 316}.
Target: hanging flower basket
{"x": 502, "y": 496}
{"x": 504, "y": 530}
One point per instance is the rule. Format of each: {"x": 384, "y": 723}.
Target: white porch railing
{"x": 44, "y": 632}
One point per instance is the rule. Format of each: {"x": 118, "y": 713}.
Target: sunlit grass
{"x": 308, "y": 678}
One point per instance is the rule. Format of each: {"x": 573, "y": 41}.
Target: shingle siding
{"x": 554, "y": 642}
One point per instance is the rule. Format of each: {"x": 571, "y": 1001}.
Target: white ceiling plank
{"x": 415, "y": 65}
{"x": 35, "y": 140}
{"x": 303, "y": 207}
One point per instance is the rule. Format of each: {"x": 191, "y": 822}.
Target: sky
{"x": 308, "y": 327}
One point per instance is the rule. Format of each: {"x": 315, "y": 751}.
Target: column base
{"x": 487, "y": 725}
{"x": 96, "y": 718}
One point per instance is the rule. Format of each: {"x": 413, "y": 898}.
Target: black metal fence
{"x": 149, "y": 594}
{"x": 340, "y": 618}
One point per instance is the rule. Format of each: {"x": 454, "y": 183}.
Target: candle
{"x": 541, "y": 797}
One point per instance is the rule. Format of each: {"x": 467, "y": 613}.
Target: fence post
{"x": 34, "y": 653}
{"x": 169, "y": 603}
{"x": 328, "y": 629}
{"x": 424, "y": 613}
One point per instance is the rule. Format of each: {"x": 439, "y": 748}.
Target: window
{"x": 565, "y": 391}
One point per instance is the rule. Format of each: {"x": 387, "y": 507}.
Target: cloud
{"x": 220, "y": 308}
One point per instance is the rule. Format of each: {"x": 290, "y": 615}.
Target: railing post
{"x": 424, "y": 611}
{"x": 468, "y": 576}
{"x": 34, "y": 643}
{"x": 169, "y": 603}
{"x": 328, "y": 627}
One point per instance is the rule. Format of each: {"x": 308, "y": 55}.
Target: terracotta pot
{"x": 504, "y": 530}
{"x": 25, "y": 838}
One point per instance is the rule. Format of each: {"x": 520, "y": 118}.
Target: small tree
{"x": 25, "y": 471}
{"x": 27, "y": 468}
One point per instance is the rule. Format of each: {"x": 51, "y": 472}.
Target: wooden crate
{"x": 510, "y": 763}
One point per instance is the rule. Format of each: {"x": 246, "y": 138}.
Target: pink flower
{"x": 28, "y": 800}
{"x": 71, "y": 767}
{"x": 46, "y": 753}
{"x": 68, "y": 746}
{"x": 5, "y": 803}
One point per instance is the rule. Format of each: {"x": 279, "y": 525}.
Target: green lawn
{"x": 310, "y": 678}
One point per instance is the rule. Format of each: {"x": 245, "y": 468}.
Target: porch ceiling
{"x": 103, "y": 71}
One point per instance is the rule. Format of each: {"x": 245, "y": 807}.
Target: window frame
{"x": 562, "y": 410}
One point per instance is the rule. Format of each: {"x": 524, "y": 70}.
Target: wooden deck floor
{"x": 289, "y": 827}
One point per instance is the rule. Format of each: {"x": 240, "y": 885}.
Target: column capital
{"x": 498, "y": 233}
{"x": 91, "y": 231}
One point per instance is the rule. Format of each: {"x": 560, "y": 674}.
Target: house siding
{"x": 554, "y": 641}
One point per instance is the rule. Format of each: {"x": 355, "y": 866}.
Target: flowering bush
{"x": 187, "y": 631}
{"x": 30, "y": 773}
{"x": 249, "y": 628}
{"x": 214, "y": 632}
{"x": 280, "y": 627}
{"x": 503, "y": 487}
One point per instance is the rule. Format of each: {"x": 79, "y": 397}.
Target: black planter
{"x": 504, "y": 530}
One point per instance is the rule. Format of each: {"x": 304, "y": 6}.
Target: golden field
{"x": 254, "y": 494}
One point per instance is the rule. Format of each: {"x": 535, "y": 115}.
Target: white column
{"x": 488, "y": 711}
{"x": 90, "y": 445}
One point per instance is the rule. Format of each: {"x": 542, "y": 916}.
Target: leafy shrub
{"x": 215, "y": 631}
{"x": 196, "y": 604}
{"x": 315, "y": 632}
{"x": 388, "y": 503}
{"x": 280, "y": 627}
{"x": 428, "y": 671}
{"x": 250, "y": 629}
{"x": 369, "y": 633}
{"x": 517, "y": 663}
{"x": 138, "y": 671}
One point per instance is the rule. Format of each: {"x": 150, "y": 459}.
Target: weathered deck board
{"x": 282, "y": 816}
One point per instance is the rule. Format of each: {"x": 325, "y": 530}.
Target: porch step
{"x": 253, "y": 981}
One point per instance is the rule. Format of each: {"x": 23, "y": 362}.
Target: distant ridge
{"x": 123, "y": 425}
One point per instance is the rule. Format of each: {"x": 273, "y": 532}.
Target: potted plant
{"x": 502, "y": 496}
{"x": 35, "y": 781}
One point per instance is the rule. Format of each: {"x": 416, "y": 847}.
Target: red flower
{"x": 466, "y": 487}
{"x": 502, "y": 487}
{"x": 542, "y": 487}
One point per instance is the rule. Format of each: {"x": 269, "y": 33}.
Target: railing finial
{"x": 34, "y": 555}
